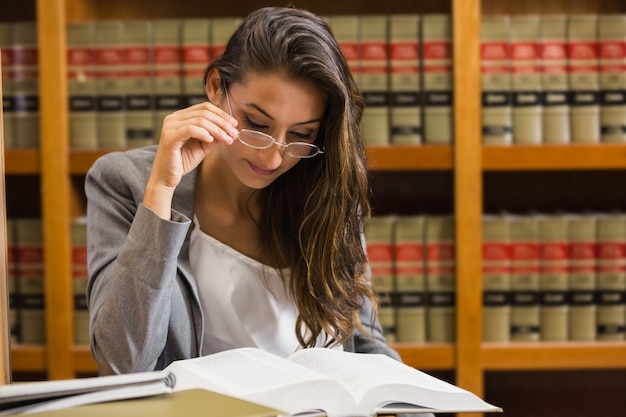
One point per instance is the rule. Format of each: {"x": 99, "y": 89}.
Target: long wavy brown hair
{"x": 313, "y": 215}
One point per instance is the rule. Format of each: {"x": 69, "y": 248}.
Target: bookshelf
{"x": 478, "y": 176}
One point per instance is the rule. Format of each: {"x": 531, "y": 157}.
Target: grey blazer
{"x": 142, "y": 297}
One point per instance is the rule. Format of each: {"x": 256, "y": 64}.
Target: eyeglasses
{"x": 260, "y": 140}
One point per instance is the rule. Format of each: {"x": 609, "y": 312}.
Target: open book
{"x": 322, "y": 381}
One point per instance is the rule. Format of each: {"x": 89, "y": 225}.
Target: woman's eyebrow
{"x": 269, "y": 116}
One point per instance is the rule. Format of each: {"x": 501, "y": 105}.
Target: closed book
{"x": 167, "y": 70}
{"x": 437, "y": 79}
{"x": 374, "y": 80}
{"x": 440, "y": 278}
{"x": 553, "y": 277}
{"x": 410, "y": 279}
{"x": 583, "y": 78}
{"x": 110, "y": 84}
{"x": 139, "y": 106}
{"x": 30, "y": 280}
{"x": 524, "y": 235}
{"x": 81, "y": 85}
{"x": 8, "y": 104}
{"x": 526, "y": 80}
{"x": 14, "y": 326}
{"x": 496, "y": 278}
{"x": 222, "y": 28}
{"x": 79, "y": 281}
{"x": 554, "y": 84}
{"x": 379, "y": 242}
{"x": 196, "y": 39}
{"x": 612, "y": 60}
{"x": 345, "y": 29}
{"x": 405, "y": 99}
{"x": 582, "y": 277}
{"x": 25, "y": 85}
{"x": 495, "y": 69}
{"x": 610, "y": 278}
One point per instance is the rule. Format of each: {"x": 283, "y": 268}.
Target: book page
{"x": 377, "y": 380}
{"x": 262, "y": 377}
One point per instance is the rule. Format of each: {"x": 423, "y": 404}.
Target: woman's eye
{"x": 253, "y": 125}
{"x": 302, "y": 137}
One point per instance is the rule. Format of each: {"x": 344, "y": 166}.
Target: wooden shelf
{"x": 82, "y": 160}
{"x": 409, "y": 158}
{"x": 554, "y": 157}
{"x": 83, "y": 360}
{"x": 22, "y": 161}
{"x": 551, "y": 356}
{"x": 432, "y": 356}
{"x": 28, "y": 358}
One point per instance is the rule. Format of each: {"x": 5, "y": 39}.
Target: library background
{"x": 496, "y": 135}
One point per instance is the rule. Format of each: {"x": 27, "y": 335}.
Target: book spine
{"x": 582, "y": 277}
{"x": 168, "y": 88}
{"x": 14, "y": 324}
{"x": 611, "y": 277}
{"x": 495, "y": 67}
{"x": 612, "y": 55}
{"x": 553, "y": 277}
{"x": 25, "y": 85}
{"x": 196, "y": 38}
{"x": 379, "y": 239}
{"x": 222, "y": 28}
{"x": 526, "y": 80}
{"x": 8, "y": 102}
{"x": 410, "y": 279}
{"x": 583, "y": 78}
{"x": 523, "y": 232}
{"x": 496, "y": 267}
{"x": 440, "y": 279}
{"x": 436, "y": 41}
{"x": 81, "y": 85}
{"x": 110, "y": 84}
{"x": 138, "y": 80}
{"x": 374, "y": 70}
{"x": 405, "y": 97}
{"x": 30, "y": 286}
{"x": 553, "y": 58}
{"x": 346, "y": 32}
{"x": 79, "y": 281}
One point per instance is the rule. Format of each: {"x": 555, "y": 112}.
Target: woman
{"x": 244, "y": 226}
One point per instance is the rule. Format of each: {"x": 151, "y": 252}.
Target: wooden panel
{"x": 432, "y": 356}
{"x": 22, "y": 161}
{"x": 83, "y": 360}
{"x": 412, "y": 158}
{"x": 28, "y": 358}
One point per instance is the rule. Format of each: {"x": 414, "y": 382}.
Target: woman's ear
{"x": 213, "y": 86}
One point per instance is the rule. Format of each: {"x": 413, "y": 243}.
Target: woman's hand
{"x": 186, "y": 139}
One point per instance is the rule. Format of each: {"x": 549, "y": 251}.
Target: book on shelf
{"x": 138, "y": 80}
{"x": 496, "y": 278}
{"x": 222, "y": 28}
{"x": 320, "y": 381}
{"x": 167, "y": 70}
{"x": 345, "y": 28}
{"x": 554, "y": 82}
{"x": 410, "y": 291}
{"x": 79, "y": 281}
{"x": 524, "y": 237}
{"x": 110, "y": 84}
{"x": 611, "y": 276}
{"x": 25, "y": 85}
{"x": 612, "y": 60}
{"x": 374, "y": 77}
{"x": 30, "y": 280}
{"x": 8, "y": 104}
{"x": 583, "y": 78}
{"x": 81, "y": 85}
{"x": 525, "y": 80}
{"x": 582, "y": 277}
{"x": 553, "y": 277}
{"x": 495, "y": 71}
{"x": 437, "y": 82}
{"x": 404, "y": 80}
{"x": 196, "y": 54}
{"x": 379, "y": 244}
{"x": 440, "y": 278}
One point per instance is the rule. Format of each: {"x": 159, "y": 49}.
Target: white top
{"x": 244, "y": 302}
